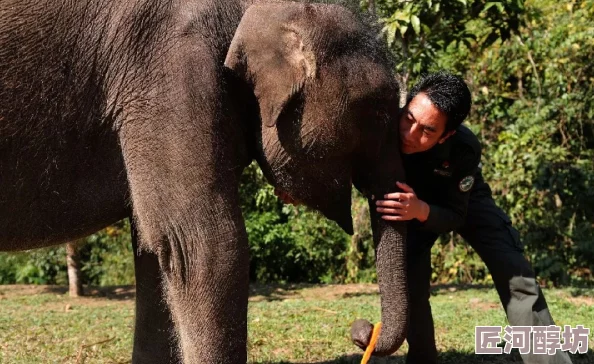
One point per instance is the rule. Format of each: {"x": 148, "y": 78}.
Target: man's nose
{"x": 414, "y": 129}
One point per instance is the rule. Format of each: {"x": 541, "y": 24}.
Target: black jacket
{"x": 444, "y": 178}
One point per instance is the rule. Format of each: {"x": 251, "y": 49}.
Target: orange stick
{"x": 371, "y": 347}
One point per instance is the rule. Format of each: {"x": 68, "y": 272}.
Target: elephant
{"x": 151, "y": 109}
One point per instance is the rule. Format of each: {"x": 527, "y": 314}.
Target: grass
{"x": 287, "y": 324}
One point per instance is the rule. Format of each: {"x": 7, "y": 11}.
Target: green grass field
{"x": 288, "y": 324}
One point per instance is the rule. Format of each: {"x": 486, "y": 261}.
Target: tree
{"x": 74, "y": 273}
{"x": 417, "y": 30}
{"x": 536, "y": 101}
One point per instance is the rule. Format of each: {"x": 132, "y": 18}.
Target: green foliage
{"x": 288, "y": 243}
{"x": 106, "y": 258}
{"x": 45, "y": 266}
{"x": 550, "y": 100}
{"x": 419, "y": 30}
{"x": 360, "y": 257}
{"x": 534, "y": 110}
{"x": 454, "y": 261}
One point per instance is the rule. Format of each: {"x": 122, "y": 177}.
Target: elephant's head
{"x": 327, "y": 102}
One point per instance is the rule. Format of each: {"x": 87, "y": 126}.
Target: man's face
{"x": 422, "y": 126}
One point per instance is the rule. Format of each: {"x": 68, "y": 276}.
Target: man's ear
{"x": 269, "y": 52}
{"x": 446, "y": 136}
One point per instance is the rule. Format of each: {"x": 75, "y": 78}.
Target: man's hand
{"x": 402, "y": 206}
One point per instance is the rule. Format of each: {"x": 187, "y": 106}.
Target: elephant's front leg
{"x": 183, "y": 153}
{"x": 206, "y": 275}
{"x": 204, "y": 258}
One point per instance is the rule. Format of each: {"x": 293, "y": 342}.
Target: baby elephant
{"x": 151, "y": 109}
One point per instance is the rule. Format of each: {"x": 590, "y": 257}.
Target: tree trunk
{"x": 403, "y": 76}
{"x": 371, "y": 6}
{"x": 74, "y": 277}
{"x": 402, "y": 80}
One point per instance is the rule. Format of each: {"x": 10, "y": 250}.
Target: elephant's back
{"x": 75, "y": 64}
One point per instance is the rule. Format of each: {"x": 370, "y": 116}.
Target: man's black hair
{"x": 448, "y": 93}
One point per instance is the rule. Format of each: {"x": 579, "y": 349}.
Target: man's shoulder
{"x": 465, "y": 148}
{"x": 465, "y": 139}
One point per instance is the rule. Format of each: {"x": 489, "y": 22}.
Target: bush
{"x": 106, "y": 258}
{"x": 44, "y": 266}
{"x": 288, "y": 243}
{"x": 533, "y": 109}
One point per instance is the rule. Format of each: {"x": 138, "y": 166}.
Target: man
{"x": 445, "y": 191}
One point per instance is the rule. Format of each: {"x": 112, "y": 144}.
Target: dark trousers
{"x": 488, "y": 230}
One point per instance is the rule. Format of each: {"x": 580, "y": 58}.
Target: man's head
{"x": 435, "y": 107}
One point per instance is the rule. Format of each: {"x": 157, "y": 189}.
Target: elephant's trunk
{"x": 390, "y": 247}
{"x": 390, "y": 240}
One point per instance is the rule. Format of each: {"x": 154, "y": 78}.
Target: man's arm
{"x": 446, "y": 214}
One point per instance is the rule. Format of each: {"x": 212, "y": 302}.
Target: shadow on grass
{"x": 459, "y": 287}
{"x": 447, "y": 357}
{"x": 269, "y": 292}
{"x": 279, "y": 292}
{"x": 119, "y": 293}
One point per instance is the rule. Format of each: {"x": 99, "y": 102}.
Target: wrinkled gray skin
{"x": 151, "y": 109}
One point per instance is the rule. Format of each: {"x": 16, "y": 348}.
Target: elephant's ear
{"x": 269, "y": 52}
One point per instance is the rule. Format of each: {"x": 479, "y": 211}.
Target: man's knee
{"x": 524, "y": 288}
{"x": 505, "y": 266}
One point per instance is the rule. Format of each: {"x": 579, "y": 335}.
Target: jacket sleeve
{"x": 449, "y": 213}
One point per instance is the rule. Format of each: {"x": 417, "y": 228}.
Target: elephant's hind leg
{"x": 154, "y": 333}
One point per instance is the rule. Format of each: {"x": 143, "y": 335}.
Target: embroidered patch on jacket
{"x": 466, "y": 183}
{"x": 442, "y": 172}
